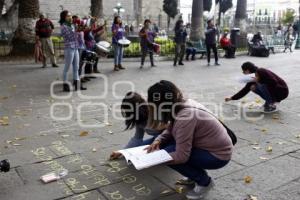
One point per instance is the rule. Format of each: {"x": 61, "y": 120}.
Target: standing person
{"x": 43, "y": 30}
{"x": 266, "y": 84}
{"x": 226, "y": 44}
{"x": 147, "y": 39}
{"x": 210, "y": 41}
{"x": 118, "y": 33}
{"x": 70, "y": 35}
{"x": 288, "y": 38}
{"x": 180, "y": 40}
{"x": 195, "y": 139}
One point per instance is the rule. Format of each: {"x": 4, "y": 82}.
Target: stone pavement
{"x": 40, "y": 134}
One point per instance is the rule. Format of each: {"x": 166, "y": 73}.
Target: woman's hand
{"x": 115, "y": 155}
{"x": 154, "y": 146}
{"x": 227, "y": 99}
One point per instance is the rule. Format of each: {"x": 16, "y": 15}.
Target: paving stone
{"x": 90, "y": 178}
{"x": 9, "y": 181}
{"x": 287, "y": 192}
{"x": 92, "y": 195}
{"x": 135, "y": 187}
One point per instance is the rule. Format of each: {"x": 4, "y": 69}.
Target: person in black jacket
{"x": 266, "y": 84}
{"x": 211, "y": 42}
{"x": 180, "y": 40}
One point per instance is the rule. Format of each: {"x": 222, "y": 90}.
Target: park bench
{"x": 274, "y": 43}
{"x": 199, "y": 46}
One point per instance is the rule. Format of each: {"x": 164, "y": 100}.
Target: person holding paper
{"x": 268, "y": 85}
{"x": 195, "y": 139}
{"x": 135, "y": 111}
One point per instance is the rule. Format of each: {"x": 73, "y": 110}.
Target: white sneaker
{"x": 199, "y": 191}
{"x": 185, "y": 181}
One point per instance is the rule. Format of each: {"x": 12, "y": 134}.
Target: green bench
{"x": 199, "y": 46}
{"x": 274, "y": 43}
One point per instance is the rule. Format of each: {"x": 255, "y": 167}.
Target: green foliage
{"x": 170, "y": 7}
{"x": 207, "y": 4}
{"x": 289, "y": 16}
{"x": 57, "y": 39}
{"x": 225, "y": 5}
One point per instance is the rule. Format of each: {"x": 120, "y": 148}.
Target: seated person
{"x": 135, "y": 111}
{"x": 195, "y": 139}
{"x": 266, "y": 84}
{"x": 226, "y": 44}
{"x": 257, "y": 39}
{"x": 190, "y": 51}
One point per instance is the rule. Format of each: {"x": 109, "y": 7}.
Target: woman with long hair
{"x": 70, "y": 35}
{"x": 118, "y": 32}
{"x": 195, "y": 139}
{"x": 135, "y": 111}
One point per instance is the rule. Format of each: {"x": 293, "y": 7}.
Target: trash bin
{"x": 235, "y": 36}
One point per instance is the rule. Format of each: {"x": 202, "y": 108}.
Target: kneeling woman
{"x": 195, "y": 139}
{"x": 135, "y": 111}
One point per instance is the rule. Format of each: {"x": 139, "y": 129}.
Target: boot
{"x": 66, "y": 87}
{"x": 121, "y": 67}
{"x": 75, "y": 83}
{"x": 116, "y": 68}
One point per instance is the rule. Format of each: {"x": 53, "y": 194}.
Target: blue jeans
{"x": 118, "y": 54}
{"x": 71, "y": 58}
{"x": 195, "y": 167}
{"x": 263, "y": 92}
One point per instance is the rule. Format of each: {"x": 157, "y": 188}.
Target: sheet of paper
{"x": 246, "y": 79}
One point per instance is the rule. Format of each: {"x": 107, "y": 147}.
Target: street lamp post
{"x": 118, "y": 9}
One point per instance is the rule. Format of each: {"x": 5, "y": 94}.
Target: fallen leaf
{"x": 256, "y": 148}
{"x": 269, "y": 149}
{"x": 13, "y": 86}
{"x": 43, "y": 134}
{"x": 254, "y": 143}
{"x": 65, "y": 136}
{"x": 275, "y": 116}
{"x": 108, "y": 124}
{"x": 263, "y": 158}
{"x": 298, "y": 136}
{"x": 179, "y": 189}
{"x": 17, "y": 144}
{"x": 3, "y": 98}
{"x": 248, "y": 179}
{"x": 251, "y": 197}
{"x": 257, "y": 101}
{"x": 165, "y": 192}
{"x": 83, "y": 133}
{"x": 281, "y": 143}
{"x": 264, "y": 130}
{"x": 4, "y": 121}
{"x": 295, "y": 141}
{"x": 8, "y": 141}
{"x": 20, "y": 138}
{"x": 110, "y": 132}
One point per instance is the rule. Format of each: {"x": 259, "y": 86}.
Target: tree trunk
{"x": 241, "y": 15}
{"x": 138, "y": 7}
{"x": 97, "y": 8}
{"x": 1, "y": 7}
{"x": 23, "y": 41}
{"x": 197, "y": 29}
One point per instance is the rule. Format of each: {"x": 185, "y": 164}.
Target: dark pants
{"x": 190, "y": 51}
{"x": 214, "y": 48}
{"x": 144, "y": 54}
{"x": 195, "y": 168}
{"x": 229, "y": 51}
{"x": 263, "y": 92}
{"x": 179, "y": 52}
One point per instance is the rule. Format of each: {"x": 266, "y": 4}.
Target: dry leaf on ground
{"x": 248, "y": 179}
{"x": 269, "y": 149}
{"x": 83, "y": 133}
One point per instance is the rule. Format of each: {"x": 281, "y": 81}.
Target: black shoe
{"x": 175, "y": 64}
{"x": 153, "y": 66}
{"x": 66, "y": 87}
{"x": 181, "y": 63}
{"x": 55, "y": 65}
{"x": 75, "y": 83}
{"x": 4, "y": 166}
{"x": 270, "y": 109}
{"x": 217, "y": 64}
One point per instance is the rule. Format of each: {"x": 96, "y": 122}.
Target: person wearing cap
{"x": 226, "y": 44}
{"x": 210, "y": 41}
{"x": 43, "y": 30}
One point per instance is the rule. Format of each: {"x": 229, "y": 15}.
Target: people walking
{"x": 43, "y": 29}
{"x": 147, "y": 39}
{"x": 210, "y": 41}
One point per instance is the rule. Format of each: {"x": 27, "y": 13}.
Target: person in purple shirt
{"x": 118, "y": 32}
{"x": 195, "y": 139}
{"x": 268, "y": 85}
{"x": 71, "y": 53}
{"x": 147, "y": 39}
